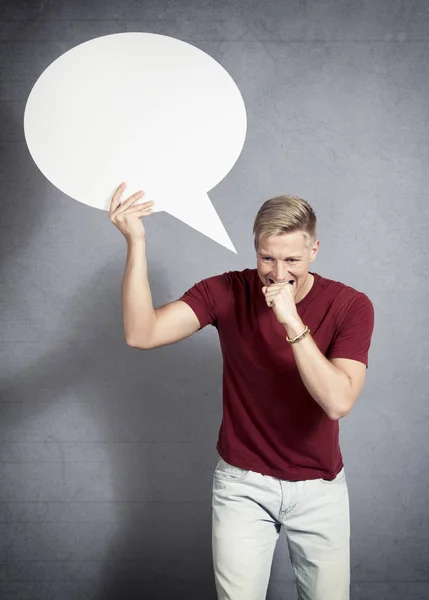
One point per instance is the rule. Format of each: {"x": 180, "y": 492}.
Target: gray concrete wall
{"x": 107, "y": 452}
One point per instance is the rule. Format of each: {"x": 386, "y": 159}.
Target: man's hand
{"x": 279, "y": 296}
{"x": 126, "y": 216}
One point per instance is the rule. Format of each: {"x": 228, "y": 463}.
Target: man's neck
{"x": 309, "y": 282}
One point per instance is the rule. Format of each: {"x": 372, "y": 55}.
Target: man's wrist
{"x": 136, "y": 241}
{"x": 294, "y": 327}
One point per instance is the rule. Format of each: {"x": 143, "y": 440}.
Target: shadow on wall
{"x": 123, "y": 441}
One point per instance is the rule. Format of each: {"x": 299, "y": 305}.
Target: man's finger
{"x": 129, "y": 202}
{"x": 117, "y": 195}
{"x": 144, "y": 206}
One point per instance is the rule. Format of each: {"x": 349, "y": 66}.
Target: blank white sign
{"x": 144, "y": 108}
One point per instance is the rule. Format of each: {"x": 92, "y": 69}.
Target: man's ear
{"x": 313, "y": 256}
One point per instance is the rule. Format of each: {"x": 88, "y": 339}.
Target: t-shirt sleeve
{"x": 353, "y": 338}
{"x": 205, "y": 298}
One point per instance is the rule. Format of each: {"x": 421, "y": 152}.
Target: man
{"x": 295, "y": 350}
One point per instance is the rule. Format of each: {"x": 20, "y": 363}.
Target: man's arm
{"x": 334, "y": 384}
{"x": 144, "y": 326}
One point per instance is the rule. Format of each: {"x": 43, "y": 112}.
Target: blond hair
{"x": 285, "y": 214}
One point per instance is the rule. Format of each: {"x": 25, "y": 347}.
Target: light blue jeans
{"x": 248, "y": 512}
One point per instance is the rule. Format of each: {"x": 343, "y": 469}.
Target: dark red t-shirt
{"x": 271, "y": 424}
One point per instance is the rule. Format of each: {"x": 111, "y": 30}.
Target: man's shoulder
{"x": 245, "y": 276}
{"x": 342, "y": 292}
{"x": 228, "y": 281}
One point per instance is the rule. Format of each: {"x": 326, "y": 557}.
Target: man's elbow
{"x": 342, "y": 409}
{"x": 336, "y": 416}
{"x": 141, "y": 345}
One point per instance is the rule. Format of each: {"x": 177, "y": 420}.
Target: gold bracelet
{"x": 300, "y": 337}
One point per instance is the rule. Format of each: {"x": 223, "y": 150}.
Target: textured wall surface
{"x": 107, "y": 452}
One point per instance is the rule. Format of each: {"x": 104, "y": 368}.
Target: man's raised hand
{"x": 128, "y": 218}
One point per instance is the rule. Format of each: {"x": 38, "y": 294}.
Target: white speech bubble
{"x": 144, "y": 108}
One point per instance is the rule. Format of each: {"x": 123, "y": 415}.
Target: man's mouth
{"x": 291, "y": 281}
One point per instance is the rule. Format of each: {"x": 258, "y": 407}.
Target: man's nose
{"x": 281, "y": 274}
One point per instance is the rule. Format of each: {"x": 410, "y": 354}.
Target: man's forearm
{"x": 137, "y": 306}
{"x": 328, "y": 385}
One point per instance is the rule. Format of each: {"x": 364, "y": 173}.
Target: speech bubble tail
{"x": 197, "y": 211}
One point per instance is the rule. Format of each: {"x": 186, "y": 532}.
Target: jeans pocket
{"x": 226, "y": 472}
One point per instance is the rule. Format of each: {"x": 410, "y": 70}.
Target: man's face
{"x": 285, "y": 257}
